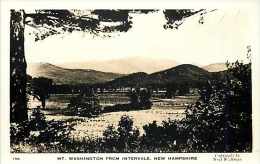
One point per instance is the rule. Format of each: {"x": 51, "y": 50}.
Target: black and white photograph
{"x": 131, "y": 81}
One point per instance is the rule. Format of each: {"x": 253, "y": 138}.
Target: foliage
{"x": 110, "y": 138}
{"x": 53, "y": 22}
{"x": 170, "y": 91}
{"x": 37, "y": 120}
{"x": 221, "y": 120}
{"x": 41, "y": 89}
{"x": 175, "y": 17}
{"x": 18, "y": 132}
{"x": 154, "y": 135}
{"x": 123, "y": 139}
{"x": 134, "y": 98}
{"x": 140, "y": 98}
{"x": 170, "y": 136}
{"x": 183, "y": 89}
{"x": 173, "y": 89}
{"x": 38, "y": 130}
{"x": 86, "y": 104}
{"x": 57, "y": 132}
{"x": 145, "y": 98}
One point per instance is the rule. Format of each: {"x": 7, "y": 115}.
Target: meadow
{"x": 85, "y": 127}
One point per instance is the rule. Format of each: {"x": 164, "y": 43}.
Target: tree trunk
{"x": 43, "y": 102}
{"x": 18, "y": 78}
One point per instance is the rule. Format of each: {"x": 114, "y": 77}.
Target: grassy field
{"x": 162, "y": 109}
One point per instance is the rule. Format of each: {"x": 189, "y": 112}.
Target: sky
{"x": 224, "y": 36}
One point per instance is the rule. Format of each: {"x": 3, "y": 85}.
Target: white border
{"x": 6, "y": 5}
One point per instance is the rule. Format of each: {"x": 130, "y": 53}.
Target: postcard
{"x": 152, "y": 83}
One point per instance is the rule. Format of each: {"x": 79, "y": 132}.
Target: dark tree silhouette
{"x": 145, "y": 98}
{"x": 184, "y": 88}
{"x": 18, "y": 76}
{"x": 170, "y": 91}
{"x": 134, "y": 99}
{"x": 176, "y": 18}
{"x": 41, "y": 89}
{"x": 140, "y": 98}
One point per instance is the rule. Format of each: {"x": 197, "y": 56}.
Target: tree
{"x": 140, "y": 98}
{"x": 18, "y": 78}
{"x": 128, "y": 135}
{"x": 183, "y": 89}
{"x": 41, "y": 88}
{"x": 134, "y": 99}
{"x": 175, "y": 18}
{"x": 222, "y": 119}
{"x": 170, "y": 91}
{"x": 85, "y": 104}
{"x": 145, "y": 98}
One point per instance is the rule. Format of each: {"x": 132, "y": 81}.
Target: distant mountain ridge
{"x": 69, "y": 76}
{"x": 185, "y": 73}
{"x": 216, "y": 67}
{"x": 126, "y": 65}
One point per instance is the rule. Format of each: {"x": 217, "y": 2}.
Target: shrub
{"x": 164, "y": 137}
{"x": 37, "y": 120}
{"x": 38, "y": 130}
{"x": 19, "y": 132}
{"x": 123, "y": 139}
{"x": 152, "y": 135}
{"x": 140, "y": 98}
{"x": 110, "y": 138}
{"x": 84, "y": 106}
{"x": 128, "y": 136}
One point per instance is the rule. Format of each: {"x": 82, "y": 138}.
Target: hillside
{"x": 126, "y": 65}
{"x": 179, "y": 74}
{"x": 216, "y": 67}
{"x": 69, "y": 76}
{"x": 184, "y": 72}
{"x": 134, "y": 79}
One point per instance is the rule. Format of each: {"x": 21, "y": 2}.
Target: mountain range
{"x": 124, "y": 65}
{"x": 179, "y": 73}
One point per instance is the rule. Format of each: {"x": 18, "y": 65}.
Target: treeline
{"x": 41, "y": 88}
{"x": 170, "y": 88}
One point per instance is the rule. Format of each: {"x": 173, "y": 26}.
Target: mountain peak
{"x": 179, "y": 74}
{"x": 69, "y": 76}
{"x": 215, "y": 67}
{"x": 126, "y": 65}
